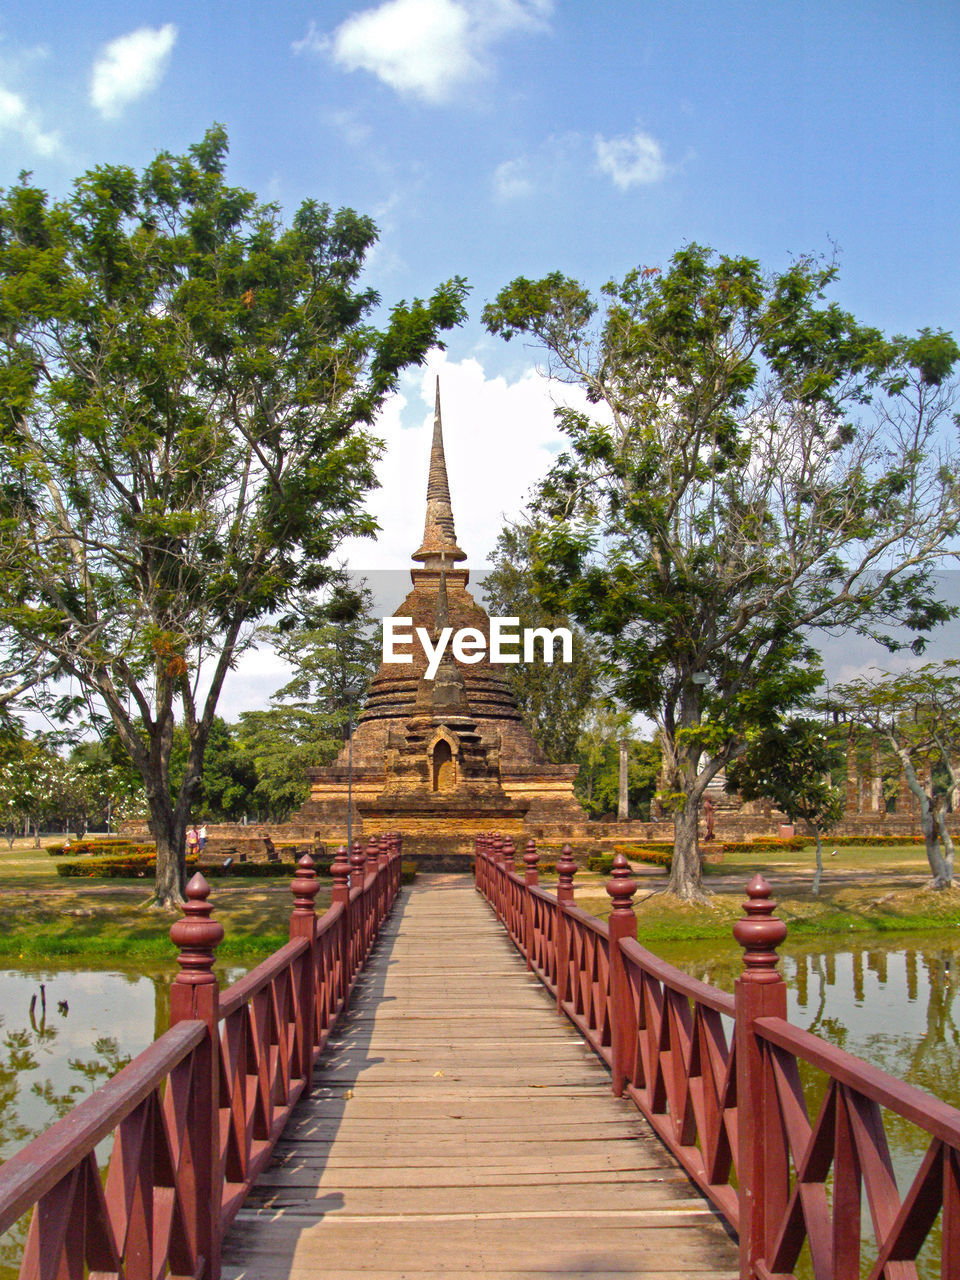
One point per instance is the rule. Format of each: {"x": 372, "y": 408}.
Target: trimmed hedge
{"x": 659, "y": 853}
{"x": 867, "y": 841}
{"x": 408, "y": 872}
{"x": 600, "y": 862}
{"x": 249, "y": 870}
{"x": 129, "y": 867}
{"x": 113, "y": 847}
{"x": 764, "y": 842}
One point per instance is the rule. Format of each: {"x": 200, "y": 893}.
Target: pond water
{"x": 892, "y": 1000}
{"x": 62, "y": 1034}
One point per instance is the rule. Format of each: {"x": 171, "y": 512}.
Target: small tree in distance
{"x": 187, "y": 388}
{"x": 790, "y": 764}
{"x": 917, "y": 714}
{"x": 755, "y": 464}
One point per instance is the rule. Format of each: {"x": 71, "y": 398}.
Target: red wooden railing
{"x": 195, "y": 1117}
{"x": 721, "y": 1080}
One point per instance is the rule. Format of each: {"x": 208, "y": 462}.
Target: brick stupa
{"x": 442, "y": 759}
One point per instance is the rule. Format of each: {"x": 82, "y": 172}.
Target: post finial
{"x": 621, "y": 886}
{"x": 759, "y": 932}
{"x": 566, "y": 870}
{"x": 305, "y": 886}
{"x": 196, "y": 936}
{"x": 340, "y": 868}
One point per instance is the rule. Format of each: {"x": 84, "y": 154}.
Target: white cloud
{"x": 512, "y": 181}
{"x": 130, "y": 67}
{"x": 485, "y": 421}
{"x": 427, "y": 48}
{"x": 547, "y": 168}
{"x": 351, "y": 128}
{"x": 18, "y": 118}
{"x": 636, "y": 160}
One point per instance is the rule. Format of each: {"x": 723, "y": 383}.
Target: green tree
{"x": 186, "y": 391}
{"x": 229, "y": 776}
{"x": 598, "y": 754}
{"x": 31, "y": 783}
{"x": 791, "y": 764}
{"x": 917, "y": 714}
{"x": 108, "y": 785}
{"x": 753, "y": 463}
{"x": 555, "y": 698}
{"x": 334, "y": 649}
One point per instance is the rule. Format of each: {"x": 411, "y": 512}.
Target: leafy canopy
{"x": 187, "y": 387}
{"x": 754, "y": 464}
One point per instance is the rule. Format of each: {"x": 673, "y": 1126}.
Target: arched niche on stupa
{"x": 443, "y": 753}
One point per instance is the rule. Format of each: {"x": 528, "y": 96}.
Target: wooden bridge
{"x": 400, "y": 1091}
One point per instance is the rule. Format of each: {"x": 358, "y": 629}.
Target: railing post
{"x": 531, "y": 877}
{"x": 621, "y": 924}
{"x": 303, "y": 924}
{"x": 498, "y": 878}
{"x": 566, "y": 870}
{"x": 340, "y": 871}
{"x": 383, "y": 871}
{"x": 195, "y": 994}
{"x": 373, "y": 865}
{"x": 514, "y": 926}
{"x": 760, "y": 992}
{"x": 358, "y": 880}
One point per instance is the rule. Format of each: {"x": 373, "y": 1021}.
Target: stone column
{"x": 623, "y": 794}
{"x": 851, "y": 806}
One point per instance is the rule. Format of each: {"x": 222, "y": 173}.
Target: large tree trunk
{"x": 947, "y": 841}
{"x": 685, "y": 871}
{"x": 169, "y": 832}
{"x": 928, "y": 825}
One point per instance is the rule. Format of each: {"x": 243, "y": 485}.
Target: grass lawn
{"x": 861, "y": 893}
{"x": 47, "y": 916}
{"x": 86, "y": 921}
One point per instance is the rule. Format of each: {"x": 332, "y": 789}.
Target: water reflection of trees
{"x": 827, "y": 985}
{"x": 23, "y": 1052}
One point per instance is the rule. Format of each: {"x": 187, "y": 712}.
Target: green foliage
{"x": 187, "y": 387}
{"x": 255, "y": 870}
{"x": 916, "y": 715}
{"x": 555, "y": 698}
{"x": 598, "y": 754}
{"x": 790, "y": 763}
{"x": 96, "y": 848}
{"x": 656, "y": 854}
{"x": 600, "y": 862}
{"x": 334, "y": 652}
{"x": 762, "y": 843}
{"x": 127, "y": 866}
{"x": 754, "y": 464}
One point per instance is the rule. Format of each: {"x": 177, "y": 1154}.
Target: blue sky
{"x": 490, "y": 138}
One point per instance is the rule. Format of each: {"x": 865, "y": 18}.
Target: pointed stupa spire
{"x": 443, "y": 606}
{"x": 439, "y": 545}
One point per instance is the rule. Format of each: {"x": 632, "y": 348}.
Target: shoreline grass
{"x": 109, "y": 921}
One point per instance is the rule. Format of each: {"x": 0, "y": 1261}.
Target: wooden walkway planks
{"x": 458, "y": 1126}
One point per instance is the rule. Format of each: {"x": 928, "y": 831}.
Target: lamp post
{"x": 349, "y": 780}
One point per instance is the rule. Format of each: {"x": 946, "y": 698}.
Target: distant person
{"x": 193, "y": 842}
{"x": 202, "y": 837}
{"x": 708, "y": 816}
